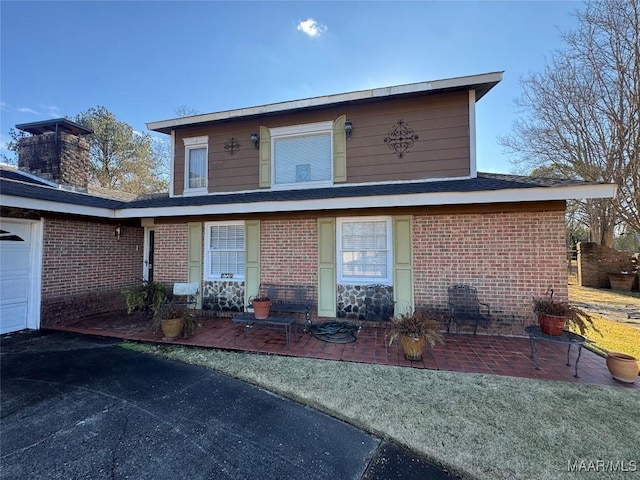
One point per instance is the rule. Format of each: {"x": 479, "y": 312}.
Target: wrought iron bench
{"x": 291, "y": 299}
{"x": 466, "y": 309}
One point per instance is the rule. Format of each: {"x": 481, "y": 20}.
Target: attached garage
{"x": 20, "y": 266}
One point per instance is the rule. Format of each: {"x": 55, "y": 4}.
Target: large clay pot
{"x": 622, "y": 367}
{"x": 552, "y": 324}
{"x": 261, "y": 309}
{"x": 413, "y": 347}
{"x": 171, "y": 328}
{"x": 622, "y": 281}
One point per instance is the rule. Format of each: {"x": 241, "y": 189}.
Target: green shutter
{"x": 265, "y": 158}
{"x": 327, "y": 267}
{"x": 402, "y": 264}
{"x": 252, "y": 255}
{"x": 195, "y": 257}
{"x": 339, "y": 150}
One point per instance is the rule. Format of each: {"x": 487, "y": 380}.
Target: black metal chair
{"x": 186, "y": 294}
{"x": 466, "y": 309}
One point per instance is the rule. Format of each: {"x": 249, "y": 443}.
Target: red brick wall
{"x": 289, "y": 251}
{"x": 84, "y": 267}
{"x": 508, "y": 257}
{"x": 171, "y": 262}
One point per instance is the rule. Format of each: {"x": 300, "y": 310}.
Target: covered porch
{"x": 486, "y": 354}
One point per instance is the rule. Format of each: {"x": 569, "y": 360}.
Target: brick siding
{"x": 289, "y": 251}
{"x": 85, "y": 268}
{"x": 171, "y": 262}
{"x": 508, "y": 257}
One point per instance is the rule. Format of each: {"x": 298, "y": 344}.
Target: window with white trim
{"x": 364, "y": 250}
{"x": 224, "y": 250}
{"x": 302, "y": 156}
{"x": 196, "y": 154}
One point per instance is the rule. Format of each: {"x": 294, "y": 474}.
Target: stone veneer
{"x": 223, "y": 296}
{"x": 354, "y": 301}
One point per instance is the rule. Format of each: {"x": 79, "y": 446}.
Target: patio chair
{"x": 186, "y": 294}
{"x": 466, "y": 309}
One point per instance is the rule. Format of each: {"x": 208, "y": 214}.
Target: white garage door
{"x": 17, "y": 270}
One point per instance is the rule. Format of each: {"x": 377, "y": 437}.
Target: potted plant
{"x": 415, "y": 329}
{"x": 622, "y": 367}
{"x": 174, "y": 321}
{"x": 261, "y": 306}
{"x": 554, "y": 315}
{"x": 147, "y": 296}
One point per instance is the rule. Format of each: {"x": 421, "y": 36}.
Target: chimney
{"x": 56, "y": 151}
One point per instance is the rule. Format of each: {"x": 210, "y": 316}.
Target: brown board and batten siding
{"x": 441, "y": 123}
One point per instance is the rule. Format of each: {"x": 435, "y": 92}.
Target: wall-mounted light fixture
{"x": 118, "y": 232}
{"x": 348, "y": 127}
{"x": 255, "y": 138}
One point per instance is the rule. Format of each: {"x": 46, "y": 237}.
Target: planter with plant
{"x": 556, "y": 315}
{"x": 415, "y": 329}
{"x": 147, "y": 296}
{"x": 174, "y": 321}
{"x": 261, "y": 306}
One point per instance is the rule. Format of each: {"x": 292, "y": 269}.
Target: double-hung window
{"x": 302, "y": 156}
{"x": 225, "y": 250}
{"x": 196, "y": 159}
{"x": 364, "y": 250}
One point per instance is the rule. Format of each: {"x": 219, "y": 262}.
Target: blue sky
{"x": 144, "y": 59}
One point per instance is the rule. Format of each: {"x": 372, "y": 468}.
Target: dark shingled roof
{"x": 483, "y": 183}
{"x": 12, "y": 174}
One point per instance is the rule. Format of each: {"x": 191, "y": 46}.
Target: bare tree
{"x": 584, "y": 113}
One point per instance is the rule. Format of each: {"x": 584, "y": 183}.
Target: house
{"x": 374, "y": 190}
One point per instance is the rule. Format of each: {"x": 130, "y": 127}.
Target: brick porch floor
{"x": 495, "y": 355}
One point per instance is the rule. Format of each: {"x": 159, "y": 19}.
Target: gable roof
{"x": 481, "y": 83}
{"x": 486, "y": 188}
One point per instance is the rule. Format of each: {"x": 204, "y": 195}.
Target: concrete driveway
{"x": 81, "y": 407}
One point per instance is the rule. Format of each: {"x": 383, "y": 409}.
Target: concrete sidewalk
{"x": 81, "y": 407}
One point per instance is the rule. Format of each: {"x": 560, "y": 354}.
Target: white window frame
{"x": 297, "y": 131}
{"x": 193, "y": 143}
{"x": 352, "y": 280}
{"x": 207, "y": 253}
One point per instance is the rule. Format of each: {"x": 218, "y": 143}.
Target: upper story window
{"x": 364, "y": 250}
{"x": 302, "y": 156}
{"x": 196, "y": 154}
{"x": 225, "y": 250}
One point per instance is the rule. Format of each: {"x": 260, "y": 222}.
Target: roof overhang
{"x": 481, "y": 83}
{"x": 535, "y": 194}
{"x": 55, "y": 207}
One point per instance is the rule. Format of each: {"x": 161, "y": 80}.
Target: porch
{"x": 495, "y": 355}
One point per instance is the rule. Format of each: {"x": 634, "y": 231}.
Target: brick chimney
{"x": 56, "y": 151}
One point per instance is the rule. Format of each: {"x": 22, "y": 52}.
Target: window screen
{"x": 197, "y": 167}
{"x": 226, "y": 251}
{"x": 305, "y": 158}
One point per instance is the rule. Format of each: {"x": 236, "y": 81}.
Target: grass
{"x": 613, "y": 336}
{"x": 481, "y": 426}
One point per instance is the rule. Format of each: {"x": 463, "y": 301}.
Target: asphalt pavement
{"x": 80, "y": 407}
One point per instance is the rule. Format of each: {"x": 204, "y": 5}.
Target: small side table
{"x": 567, "y": 337}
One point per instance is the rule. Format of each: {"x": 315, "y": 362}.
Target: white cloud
{"x": 311, "y": 28}
{"x": 28, "y": 110}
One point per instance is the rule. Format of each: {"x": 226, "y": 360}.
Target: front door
{"x": 148, "y": 255}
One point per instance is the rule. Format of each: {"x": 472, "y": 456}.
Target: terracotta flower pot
{"x": 413, "y": 347}
{"x": 171, "y": 328}
{"x": 622, "y": 281}
{"x": 622, "y": 367}
{"x": 261, "y": 309}
{"x": 552, "y": 324}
